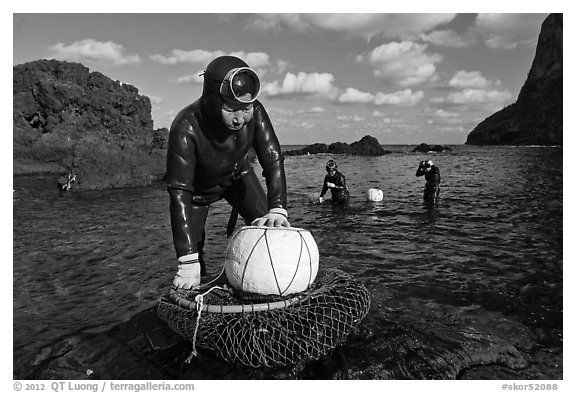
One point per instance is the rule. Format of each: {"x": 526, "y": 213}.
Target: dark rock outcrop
{"x": 84, "y": 123}
{"x": 401, "y": 338}
{"x": 367, "y": 146}
{"x": 536, "y": 117}
{"x": 425, "y": 148}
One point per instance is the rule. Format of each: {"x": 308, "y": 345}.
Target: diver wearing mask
{"x": 207, "y": 161}
{"x": 335, "y": 181}
{"x": 432, "y": 175}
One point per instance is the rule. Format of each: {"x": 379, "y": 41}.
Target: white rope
{"x": 199, "y": 299}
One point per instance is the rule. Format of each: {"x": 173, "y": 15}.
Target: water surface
{"x": 85, "y": 261}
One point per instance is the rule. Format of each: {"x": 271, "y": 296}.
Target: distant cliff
{"x": 68, "y": 119}
{"x": 536, "y": 117}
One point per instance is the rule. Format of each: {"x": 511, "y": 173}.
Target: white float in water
{"x": 313, "y": 197}
{"x": 271, "y": 260}
{"x": 375, "y": 195}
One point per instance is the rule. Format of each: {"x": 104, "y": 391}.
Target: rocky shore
{"x": 367, "y": 146}
{"x": 400, "y": 339}
{"x": 68, "y": 120}
{"x": 425, "y": 148}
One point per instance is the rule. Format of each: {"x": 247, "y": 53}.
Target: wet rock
{"x": 401, "y": 338}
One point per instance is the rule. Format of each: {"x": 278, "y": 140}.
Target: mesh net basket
{"x": 274, "y": 331}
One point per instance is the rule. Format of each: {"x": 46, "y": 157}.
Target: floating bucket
{"x": 271, "y": 260}
{"x": 375, "y": 195}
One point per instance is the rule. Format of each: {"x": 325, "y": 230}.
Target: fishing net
{"x": 277, "y": 331}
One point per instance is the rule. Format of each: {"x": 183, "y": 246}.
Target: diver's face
{"x": 236, "y": 114}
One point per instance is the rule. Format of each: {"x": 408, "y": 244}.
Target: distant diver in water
{"x": 65, "y": 182}
{"x": 432, "y": 187}
{"x": 336, "y": 182}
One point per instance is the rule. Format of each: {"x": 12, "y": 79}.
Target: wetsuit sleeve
{"x": 267, "y": 149}
{"x": 180, "y": 159}
{"x": 341, "y": 182}
{"x": 324, "y": 186}
{"x": 420, "y": 171}
{"x": 435, "y": 174}
{"x": 180, "y": 167}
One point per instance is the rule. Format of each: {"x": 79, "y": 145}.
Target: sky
{"x": 404, "y": 78}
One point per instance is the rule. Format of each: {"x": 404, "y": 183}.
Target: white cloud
{"x": 356, "y": 24}
{"x": 402, "y": 63}
{"x": 315, "y": 110}
{"x": 385, "y": 119}
{"x": 445, "y": 38}
{"x": 508, "y": 31}
{"x": 306, "y": 125}
{"x": 154, "y": 99}
{"x": 352, "y": 95}
{"x": 351, "y": 118}
{"x": 178, "y": 56}
{"x": 191, "y": 78}
{"x": 400, "y": 98}
{"x": 302, "y": 84}
{"x": 489, "y": 99}
{"x": 453, "y": 129}
{"x": 89, "y": 50}
{"x": 254, "y": 59}
{"x": 444, "y": 114}
{"x": 471, "y": 79}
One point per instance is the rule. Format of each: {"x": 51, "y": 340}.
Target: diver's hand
{"x": 188, "y": 275}
{"x": 321, "y": 200}
{"x": 331, "y": 185}
{"x": 276, "y": 217}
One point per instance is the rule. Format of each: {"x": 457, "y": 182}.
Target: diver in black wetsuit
{"x": 207, "y": 161}
{"x": 432, "y": 175}
{"x": 336, "y": 182}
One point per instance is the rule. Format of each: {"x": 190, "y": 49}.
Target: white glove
{"x": 331, "y": 185}
{"x": 188, "y": 275}
{"x": 276, "y": 217}
{"x": 321, "y": 200}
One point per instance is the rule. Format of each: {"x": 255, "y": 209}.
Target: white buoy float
{"x": 271, "y": 260}
{"x": 313, "y": 197}
{"x": 375, "y": 195}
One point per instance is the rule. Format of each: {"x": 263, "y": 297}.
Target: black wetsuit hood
{"x": 211, "y": 100}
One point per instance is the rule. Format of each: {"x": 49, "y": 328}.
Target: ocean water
{"x": 85, "y": 261}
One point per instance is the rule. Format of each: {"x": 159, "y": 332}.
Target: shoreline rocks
{"x": 367, "y": 146}
{"x": 425, "y": 148}
{"x": 68, "y": 120}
